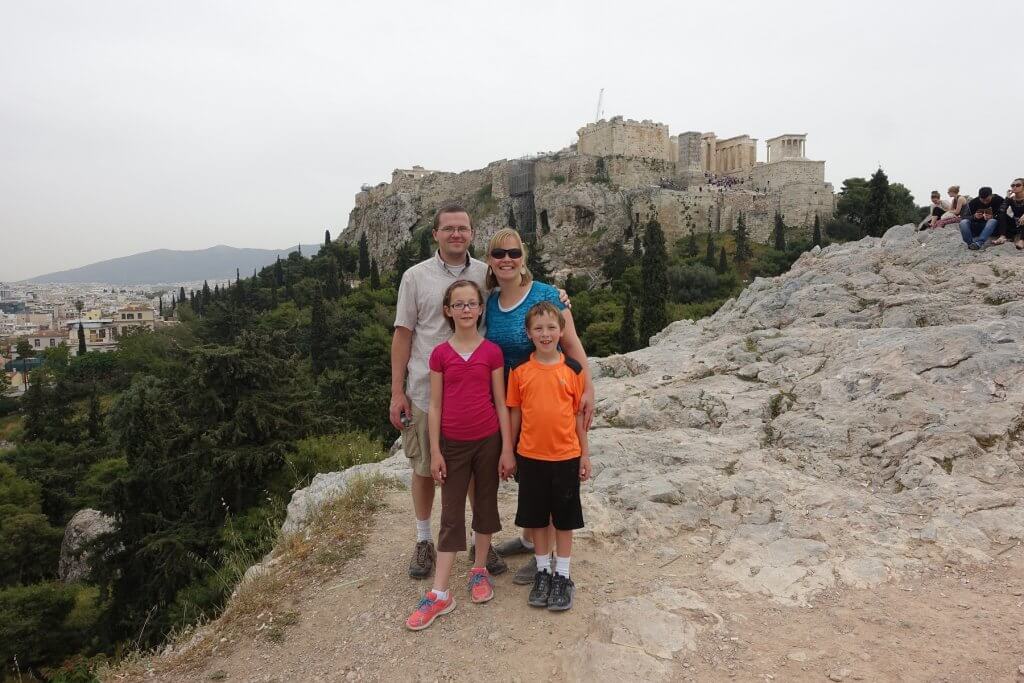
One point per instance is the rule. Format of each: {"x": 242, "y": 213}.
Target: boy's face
{"x": 544, "y": 332}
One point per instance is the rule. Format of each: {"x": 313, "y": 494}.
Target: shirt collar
{"x": 448, "y": 269}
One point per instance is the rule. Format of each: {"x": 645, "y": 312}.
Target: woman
{"x": 939, "y": 208}
{"x": 1013, "y": 212}
{"x": 513, "y": 292}
{"x": 956, "y": 204}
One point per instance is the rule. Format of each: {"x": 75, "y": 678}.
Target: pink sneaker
{"x": 481, "y": 585}
{"x": 430, "y": 608}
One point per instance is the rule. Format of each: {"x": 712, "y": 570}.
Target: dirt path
{"x": 944, "y": 625}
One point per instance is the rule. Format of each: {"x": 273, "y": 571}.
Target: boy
{"x": 543, "y": 398}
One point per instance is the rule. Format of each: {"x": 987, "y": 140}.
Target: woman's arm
{"x": 573, "y": 348}
{"x": 507, "y": 463}
{"x": 437, "y": 464}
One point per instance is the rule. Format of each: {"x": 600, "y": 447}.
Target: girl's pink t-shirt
{"x": 467, "y": 403}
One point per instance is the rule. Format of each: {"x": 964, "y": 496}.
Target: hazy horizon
{"x": 128, "y": 127}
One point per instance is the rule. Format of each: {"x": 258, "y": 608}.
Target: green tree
{"x": 24, "y": 349}
{"x": 638, "y": 250}
{"x": 627, "y": 330}
{"x": 902, "y": 206}
{"x": 332, "y": 279}
{"x": 426, "y": 248}
{"x": 743, "y": 252}
{"x": 32, "y": 624}
{"x": 403, "y": 261}
{"x": 691, "y": 243}
{"x": 81, "y": 339}
{"x": 654, "y": 294}
{"x": 94, "y": 421}
{"x": 878, "y": 215}
{"x": 723, "y": 264}
{"x": 318, "y": 334}
{"x": 374, "y": 275}
{"x": 364, "y": 257}
{"x": 709, "y": 254}
{"x": 816, "y": 239}
{"x": 779, "y": 233}
{"x": 278, "y": 273}
{"x": 852, "y": 203}
{"x": 533, "y": 259}
{"x": 327, "y": 238}
{"x": 615, "y": 262}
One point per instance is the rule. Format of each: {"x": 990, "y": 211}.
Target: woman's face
{"x": 935, "y": 198}
{"x": 506, "y": 260}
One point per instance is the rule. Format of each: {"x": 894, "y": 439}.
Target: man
{"x": 982, "y": 222}
{"x": 420, "y": 325}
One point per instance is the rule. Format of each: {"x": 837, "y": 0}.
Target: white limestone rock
{"x": 84, "y": 527}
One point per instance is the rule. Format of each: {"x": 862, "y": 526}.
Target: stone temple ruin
{"x": 619, "y": 174}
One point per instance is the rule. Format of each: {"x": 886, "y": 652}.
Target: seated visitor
{"x": 957, "y": 202}
{"x": 978, "y": 227}
{"x": 1012, "y": 216}
{"x": 939, "y": 207}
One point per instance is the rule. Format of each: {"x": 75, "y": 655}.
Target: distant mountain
{"x": 169, "y": 265}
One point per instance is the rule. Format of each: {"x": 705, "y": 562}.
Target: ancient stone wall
{"x": 626, "y": 137}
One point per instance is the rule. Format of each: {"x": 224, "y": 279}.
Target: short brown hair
{"x": 543, "y": 308}
{"x": 446, "y": 302}
{"x": 526, "y": 277}
{"x": 450, "y": 207}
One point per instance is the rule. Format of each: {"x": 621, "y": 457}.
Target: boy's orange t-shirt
{"x": 549, "y": 397}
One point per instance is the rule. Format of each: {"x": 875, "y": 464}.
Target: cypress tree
{"x": 181, "y": 294}
{"x": 273, "y": 296}
{"x": 331, "y": 288}
{"x": 278, "y": 272}
{"x": 204, "y": 300}
{"x": 654, "y": 279}
{"x": 81, "y": 339}
{"x": 709, "y": 255}
{"x": 364, "y": 257}
{"x": 691, "y": 244}
{"x": 512, "y": 217}
{"x": 534, "y": 261}
{"x": 402, "y": 262}
{"x": 743, "y": 252}
{"x": 879, "y": 214}
{"x": 174, "y": 302}
{"x": 627, "y": 331}
{"x": 161, "y": 298}
{"x": 374, "y": 275}
{"x": 779, "y": 233}
{"x": 817, "y": 231}
{"x": 638, "y": 251}
{"x": 723, "y": 265}
{"x": 615, "y": 263}
{"x": 426, "y": 250}
{"x": 94, "y": 423}
{"x": 317, "y": 333}
{"x": 327, "y": 238}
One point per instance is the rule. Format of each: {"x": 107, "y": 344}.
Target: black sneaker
{"x": 562, "y": 589}
{"x": 974, "y": 246}
{"x": 423, "y": 558}
{"x": 541, "y": 588}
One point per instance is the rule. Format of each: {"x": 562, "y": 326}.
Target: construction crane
{"x": 600, "y": 101}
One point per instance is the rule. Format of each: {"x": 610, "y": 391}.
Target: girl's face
{"x": 464, "y": 307}
{"x": 506, "y": 260}
{"x": 544, "y": 332}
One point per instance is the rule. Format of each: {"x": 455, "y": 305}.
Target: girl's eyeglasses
{"x": 512, "y": 253}
{"x": 459, "y": 305}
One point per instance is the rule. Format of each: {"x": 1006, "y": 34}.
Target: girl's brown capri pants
{"x": 465, "y": 460}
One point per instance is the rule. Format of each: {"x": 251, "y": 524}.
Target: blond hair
{"x": 955, "y": 189}
{"x": 526, "y": 277}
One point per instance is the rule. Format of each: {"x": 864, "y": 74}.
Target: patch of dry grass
{"x": 260, "y": 608}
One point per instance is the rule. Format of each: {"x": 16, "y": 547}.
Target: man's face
{"x": 986, "y": 200}
{"x": 453, "y": 234}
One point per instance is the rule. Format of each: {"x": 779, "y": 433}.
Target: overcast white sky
{"x": 128, "y": 126}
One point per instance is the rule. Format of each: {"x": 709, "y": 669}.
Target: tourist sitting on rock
{"x": 1011, "y": 218}
{"x": 981, "y": 223}
{"x": 957, "y": 204}
{"x": 939, "y": 208}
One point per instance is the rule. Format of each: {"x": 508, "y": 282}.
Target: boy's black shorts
{"x": 549, "y": 491}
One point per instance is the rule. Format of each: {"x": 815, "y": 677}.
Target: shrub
{"x": 692, "y": 283}
{"x": 331, "y": 453}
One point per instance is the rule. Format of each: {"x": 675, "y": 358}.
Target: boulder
{"x": 83, "y": 528}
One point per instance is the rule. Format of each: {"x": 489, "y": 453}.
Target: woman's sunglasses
{"x": 511, "y": 253}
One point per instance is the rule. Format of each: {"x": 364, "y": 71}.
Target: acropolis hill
{"x": 619, "y": 174}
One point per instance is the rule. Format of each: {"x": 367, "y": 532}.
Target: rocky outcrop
{"x": 853, "y": 418}
{"x": 84, "y": 527}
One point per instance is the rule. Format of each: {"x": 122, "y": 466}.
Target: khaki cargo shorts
{"x": 416, "y": 443}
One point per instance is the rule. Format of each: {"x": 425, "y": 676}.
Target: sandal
{"x": 1019, "y": 244}
{"x": 999, "y": 240}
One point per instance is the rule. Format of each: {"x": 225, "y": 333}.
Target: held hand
{"x": 399, "y": 404}
{"x": 563, "y": 296}
{"x": 438, "y": 469}
{"x": 506, "y": 465}
{"x": 585, "y": 468}
{"x": 978, "y": 215}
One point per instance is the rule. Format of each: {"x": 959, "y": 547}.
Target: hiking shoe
{"x": 524, "y": 577}
{"x": 496, "y": 564}
{"x": 430, "y": 608}
{"x": 423, "y": 558}
{"x": 541, "y": 588}
{"x": 481, "y": 585}
{"x": 562, "y": 589}
{"x": 513, "y": 547}
{"x": 974, "y": 246}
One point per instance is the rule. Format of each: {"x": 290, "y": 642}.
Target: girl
{"x": 470, "y": 440}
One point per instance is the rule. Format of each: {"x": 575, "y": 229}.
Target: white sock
{"x": 440, "y": 595}
{"x": 472, "y": 538}
{"x": 543, "y": 563}
{"x": 423, "y": 530}
{"x": 526, "y": 544}
{"x": 562, "y": 566}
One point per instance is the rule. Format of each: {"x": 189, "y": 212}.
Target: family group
{"x": 489, "y": 381}
{"x": 986, "y": 219}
